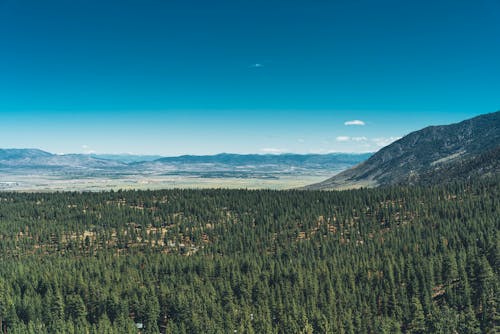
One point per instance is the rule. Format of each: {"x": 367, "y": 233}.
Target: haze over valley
{"x": 37, "y": 170}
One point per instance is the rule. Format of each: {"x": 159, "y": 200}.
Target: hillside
{"x": 431, "y": 155}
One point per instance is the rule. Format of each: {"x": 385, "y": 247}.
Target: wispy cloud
{"x": 301, "y": 140}
{"x": 374, "y": 143}
{"x": 347, "y": 138}
{"x": 87, "y": 149}
{"x": 256, "y": 65}
{"x": 384, "y": 141}
{"x": 272, "y": 150}
{"x": 354, "y": 122}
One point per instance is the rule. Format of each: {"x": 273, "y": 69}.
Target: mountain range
{"x": 435, "y": 154}
{"x": 34, "y": 169}
{"x": 37, "y": 159}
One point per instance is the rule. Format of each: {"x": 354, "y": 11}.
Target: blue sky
{"x": 202, "y": 77}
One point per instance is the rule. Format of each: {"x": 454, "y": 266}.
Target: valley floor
{"x": 40, "y": 183}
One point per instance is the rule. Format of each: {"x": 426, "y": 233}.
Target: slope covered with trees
{"x": 397, "y": 260}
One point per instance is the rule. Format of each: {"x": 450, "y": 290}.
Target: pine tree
{"x": 417, "y": 324}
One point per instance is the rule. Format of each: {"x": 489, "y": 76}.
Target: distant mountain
{"x": 34, "y": 163}
{"x": 36, "y": 159}
{"x": 15, "y": 154}
{"x": 127, "y": 158}
{"x": 252, "y": 165}
{"x": 253, "y": 160}
{"x": 432, "y": 155}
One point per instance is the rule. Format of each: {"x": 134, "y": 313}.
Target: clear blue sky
{"x": 199, "y": 77}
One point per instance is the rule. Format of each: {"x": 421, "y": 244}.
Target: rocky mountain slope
{"x": 431, "y": 155}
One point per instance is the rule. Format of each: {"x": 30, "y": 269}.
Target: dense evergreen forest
{"x": 394, "y": 260}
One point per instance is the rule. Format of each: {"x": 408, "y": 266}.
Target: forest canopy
{"x": 392, "y": 260}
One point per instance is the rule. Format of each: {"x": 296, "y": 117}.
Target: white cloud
{"x": 369, "y": 144}
{"x": 257, "y": 65}
{"x": 272, "y": 150}
{"x": 347, "y": 138}
{"x": 354, "y": 122}
{"x": 384, "y": 141}
{"x": 358, "y": 139}
{"x": 319, "y": 151}
{"x": 343, "y": 138}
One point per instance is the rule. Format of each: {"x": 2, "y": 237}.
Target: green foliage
{"x": 393, "y": 260}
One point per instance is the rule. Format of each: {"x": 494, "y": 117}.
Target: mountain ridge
{"x": 417, "y": 157}
{"x": 36, "y": 158}
{"x": 32, "y": 155}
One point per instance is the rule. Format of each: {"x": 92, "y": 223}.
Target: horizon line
{"x": 187, "y": 154}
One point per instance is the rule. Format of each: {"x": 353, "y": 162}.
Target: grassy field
{"x": 48, "y": 183}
